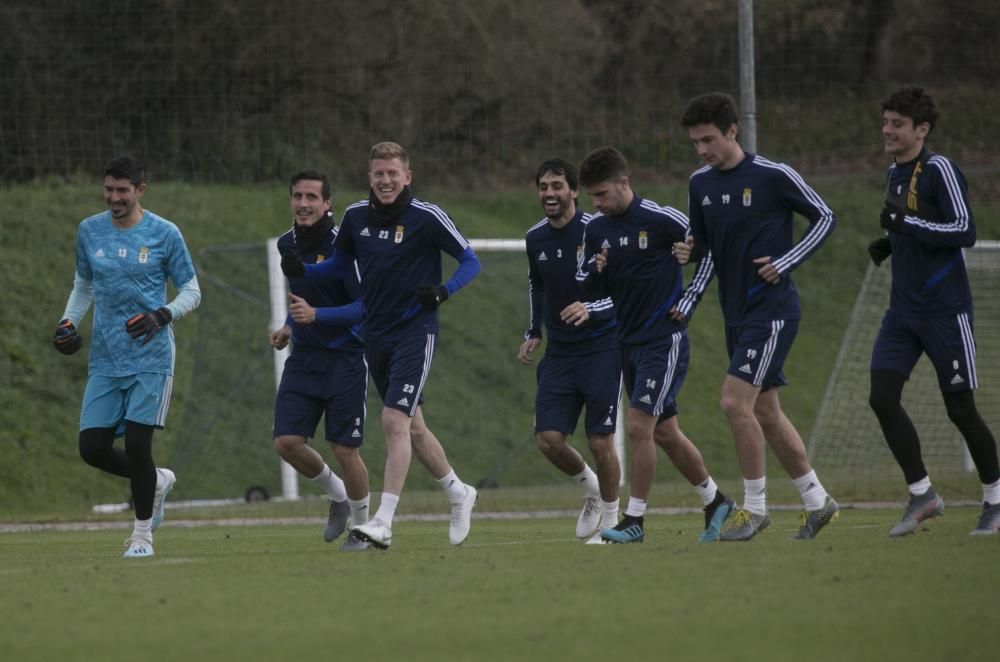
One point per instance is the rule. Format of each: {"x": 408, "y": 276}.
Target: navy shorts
{"x": 567, "y": 383}
{"x": 654, "y": 373}
{"x": 757, "y": 351}
{"x": 947, "y": 341}
{"x": 399, "y": 368}
{"x": 322, "y": 382}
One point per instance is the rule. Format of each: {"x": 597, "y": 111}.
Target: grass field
{"x": 517, "y": 590}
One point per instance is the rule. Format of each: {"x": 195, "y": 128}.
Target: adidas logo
{"x": 403, "y": 401}
{"x": 705, "y": 201}
{"x": 745, "y": 368}
{"x": 365, "y": 233}
{"x": 356, "y": 433}
{"x": 608, "y": 422}
{"x": 541, "y": 256}
{"x": 957, "y": 379}
{"x": 99, "y": 253}
{"x": 646, "y": 400}
{"x": 605, "y": 244}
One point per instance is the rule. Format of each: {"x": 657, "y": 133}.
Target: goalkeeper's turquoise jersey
{"x": 128, "y": 270}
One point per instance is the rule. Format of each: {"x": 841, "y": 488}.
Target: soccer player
{"x": 326, "y": 374}
{"x": 124, "y": 257}
{"x": 580, "y": 364}
{"x": 742, "y": 208}
{"x": 397, "y": 241}
{"x": 929, "y": 222}
{"x": 628, "y": 248}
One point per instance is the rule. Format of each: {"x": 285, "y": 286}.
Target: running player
{"x": 124, "y": 257}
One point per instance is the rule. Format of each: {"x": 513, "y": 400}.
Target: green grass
{"x": 517, "y": 590}
{"x": 479, "y": 399}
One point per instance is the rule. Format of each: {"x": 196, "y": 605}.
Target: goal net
{"x": 847, "y": 446}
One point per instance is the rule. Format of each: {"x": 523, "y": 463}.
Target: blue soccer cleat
{"x": 627, "y": 531}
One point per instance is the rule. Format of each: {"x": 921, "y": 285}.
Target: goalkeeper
{"x": 929, "y": 222}
{"x": 397, "y": 241}
{"x": 124, "y": 257}
{"x": 325, "y": 375}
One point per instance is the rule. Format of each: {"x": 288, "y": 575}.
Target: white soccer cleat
{"x": 138, "y": 547}
{"x": 461, "y": 516}
{"x": 165, "y": 480}
{"x": 588, "y": 523}
{"x": 596, "y": 539}
{"x": 376, "y": 532}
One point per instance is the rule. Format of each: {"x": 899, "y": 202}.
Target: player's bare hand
{"x": 682, "y": 250}
{"x": 575, "y": 313}
{"x": 677, "y": 315}
{"x": 280, "y": 337}
{"x": 601, "y": 261}
{"x": 527, "y": 347}
{"x": 300, "y": 310}
{"x": 767, "y": 271}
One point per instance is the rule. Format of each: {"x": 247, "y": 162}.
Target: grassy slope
{"x": 517, "y": 590}
{"x": 220, "y": 437}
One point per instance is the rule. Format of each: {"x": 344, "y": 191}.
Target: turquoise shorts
{"x": 110, "y": 401}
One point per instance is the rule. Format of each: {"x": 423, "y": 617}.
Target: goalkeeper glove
{"x": 431, "y": 296}
{"x": 66, "y": 340}
{"x": 291, "y": 265}
{"x": 891, "y": 218}
{"x": 146, "y": 325}
{"x": 879, "y": 250}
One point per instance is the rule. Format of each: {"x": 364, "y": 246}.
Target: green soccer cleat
{"x": 811, "y": 521}
{"x": 336, "y": 522}
{"x": 919, "y": 508}
{"x": 989, "y": 521}
{"x": 745, "y": 526}
{"x": 716, "y": 513}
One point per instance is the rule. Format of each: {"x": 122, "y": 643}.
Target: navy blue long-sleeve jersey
{"x": 929, "y": 278}
{"x": 323, "y": 295}
{"x": 553, "y": 257}
{"x": 394, "y": 260}
{"x": 744, "y": 213}
{"x": 642, "y": 276}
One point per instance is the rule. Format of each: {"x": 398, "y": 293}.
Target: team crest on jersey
{"x": 143, "y": 255}
{"x": 320, "y": 258}
{"x": 399, "y": 234}
{"x": 747, "y": 196}
{"x": 643, "y": 239}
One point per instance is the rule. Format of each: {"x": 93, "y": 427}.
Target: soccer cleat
{"x": 716, "y": 513}
{"x": 596, "y": 539}
{"x": 626, "y": 531}
{"x": 461, "y": 517}
{"x": 336, "y": 523}
{"x": 924, "y": 506}
{"x": 811, "y": 521}
{"x": 138, "y": 547}
{"x": 590, "y": 518}
{"x": 375, "y": 532}
{"x": 356, "y": 543}
{"x": 989, "y": 521}
{"x": 165, "y": 480}
{"x": 745, "y": 526}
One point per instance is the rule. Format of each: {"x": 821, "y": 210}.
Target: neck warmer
{"x": 382, "y": 215}
{"x": 309, "y": 238}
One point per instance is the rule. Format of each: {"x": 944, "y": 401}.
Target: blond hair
{"x": 388, "y": 151}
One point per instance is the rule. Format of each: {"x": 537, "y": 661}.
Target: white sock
{"x": 636, "y": 507}
{"x": 813, "y": 494}
{"x": 143, "y": 528}
{"x": 359, "y": 510}
{"x": 453, "y": 487}
{"x": 755, "y": 495}
{"x": 588, "y": 479}
{"x": 920, "y": 487}
{"x": 331, "y": 483}
{"x": 609, "y": 514}
{"x": 387, "y": 508}
{"x": 991, "y": 493}
{"x": 707, "y": 491}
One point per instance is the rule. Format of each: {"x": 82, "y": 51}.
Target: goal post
{"x": 847, "y": 445}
